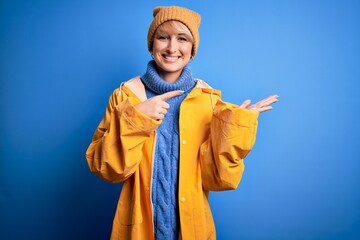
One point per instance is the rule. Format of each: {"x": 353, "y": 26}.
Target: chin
{"x": 171, "y": 67}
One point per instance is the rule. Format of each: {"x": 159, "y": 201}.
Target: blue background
{"x": 60, "y": 61}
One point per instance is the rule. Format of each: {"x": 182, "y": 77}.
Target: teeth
{"x": 170, "y": 57}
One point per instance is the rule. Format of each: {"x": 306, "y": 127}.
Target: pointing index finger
{"x": 171, "y": 94}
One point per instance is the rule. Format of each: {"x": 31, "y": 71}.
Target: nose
{"x": 172, "y": 45}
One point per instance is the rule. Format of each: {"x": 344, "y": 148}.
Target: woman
{"x": 170, "y": 139}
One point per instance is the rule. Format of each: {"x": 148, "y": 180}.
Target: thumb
{"x": 171, "y": 94}
{"x": 245, "y": 104}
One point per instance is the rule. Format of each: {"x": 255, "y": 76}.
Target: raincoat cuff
{"x": 233, "y": 114}
{"x": 136, "y": 119}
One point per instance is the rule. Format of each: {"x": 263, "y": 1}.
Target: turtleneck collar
{"x": 155, "y": 83}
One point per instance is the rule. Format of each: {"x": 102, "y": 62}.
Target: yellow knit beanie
{"x": 186, "y": 16}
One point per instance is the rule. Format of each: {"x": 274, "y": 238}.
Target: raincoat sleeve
{"x": 116, "y": 148}
{"x": 232, "y": 135}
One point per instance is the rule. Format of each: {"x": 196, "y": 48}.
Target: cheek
{"x": 187, "y": 49}
{"x": 160, "y": 43}
{"x": 155, "y": 46}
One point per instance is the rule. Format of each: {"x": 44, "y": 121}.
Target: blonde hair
{"x": 175, "y": 26}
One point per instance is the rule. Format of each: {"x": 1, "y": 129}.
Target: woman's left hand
{"x": 261, "y": 106}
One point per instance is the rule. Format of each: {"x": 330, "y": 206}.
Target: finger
{"x": 165, "y": 105}
{"x": 162, "y": 111}
{"x": 264, "y": 109}
{"x": 245, "y": 104}
{"x": 171, "y": 94}
{"x": 160, "y": 116}
{"x": 267, "y": 101}
{"x": 253, "y": 108}
{"x": 270, "y": 100}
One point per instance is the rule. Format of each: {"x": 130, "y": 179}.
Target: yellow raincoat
{"x": 214, "y": 136}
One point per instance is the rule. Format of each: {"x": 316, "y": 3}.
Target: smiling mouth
{"x": 171, "y": 58}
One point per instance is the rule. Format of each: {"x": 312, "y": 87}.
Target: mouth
{"x": 171, "y": 59}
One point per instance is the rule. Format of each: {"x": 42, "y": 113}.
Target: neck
{"x": 169, "y": 77}
{"x": 161, "y": 83}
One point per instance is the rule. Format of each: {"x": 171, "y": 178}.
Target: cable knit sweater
{"x": 166, "y": 159}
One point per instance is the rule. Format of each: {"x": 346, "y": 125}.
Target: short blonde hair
{"x": 172, "y": 25}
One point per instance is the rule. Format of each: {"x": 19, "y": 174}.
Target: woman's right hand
{"x": 156, "y": 107}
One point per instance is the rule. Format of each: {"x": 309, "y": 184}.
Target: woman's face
{"x": 172, "y": 49}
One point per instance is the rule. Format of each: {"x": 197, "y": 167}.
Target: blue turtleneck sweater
{"x": 166, "y": 159}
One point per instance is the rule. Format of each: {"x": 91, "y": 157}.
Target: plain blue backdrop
{"x": 60, "y": 61}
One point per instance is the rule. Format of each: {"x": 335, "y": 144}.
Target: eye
{"x": 161, "y": 37}
{"x": 183, "y": 39}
